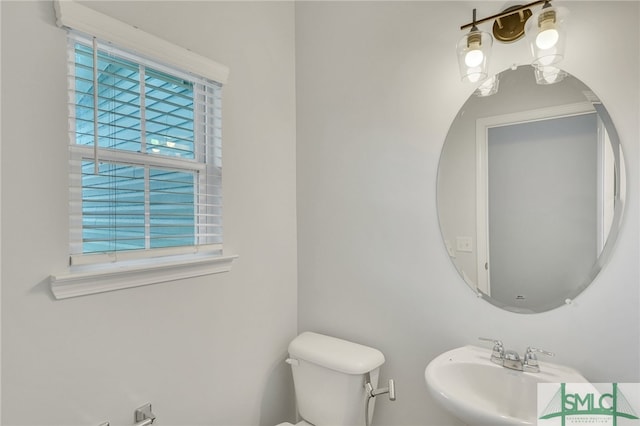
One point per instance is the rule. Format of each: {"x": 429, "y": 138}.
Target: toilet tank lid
{"x": 335, "y": 354}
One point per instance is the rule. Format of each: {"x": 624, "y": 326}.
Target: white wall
{"x": 202, "y": 351}
{"x": 377, "y": 88}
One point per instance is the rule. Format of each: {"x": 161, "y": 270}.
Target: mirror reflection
{"x": 530, "y": 189}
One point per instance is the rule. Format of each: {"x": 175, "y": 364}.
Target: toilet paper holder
{"x": 144, "y": 416}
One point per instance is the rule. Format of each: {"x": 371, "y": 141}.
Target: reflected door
{"x": 541, "y": 184}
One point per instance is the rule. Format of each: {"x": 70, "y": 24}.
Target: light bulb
{"x": 473, "y": 58}
{"x": 547, "y": 39}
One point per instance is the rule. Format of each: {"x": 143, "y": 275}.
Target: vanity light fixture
{"x": 544, "y": 31}
{"x": 473, "y": 53}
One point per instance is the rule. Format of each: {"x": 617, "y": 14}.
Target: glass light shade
{"x": 546, "y": 35}
{"x": 549, "y": 75}
{"x": 488, "y": 87}
{"x": 473, "y": 55}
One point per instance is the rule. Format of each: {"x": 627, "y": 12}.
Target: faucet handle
{"x": 497, "y": 353}
{"x": 530, "y": 362}
{"x": 531, "y": 350}
{"x": 487, "y": 339}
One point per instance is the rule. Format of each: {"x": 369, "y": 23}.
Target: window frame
{"x": 96, "y": 273}
{"x": 204, "y": 164}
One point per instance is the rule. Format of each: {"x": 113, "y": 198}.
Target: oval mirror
{"x": 531, "y": 187}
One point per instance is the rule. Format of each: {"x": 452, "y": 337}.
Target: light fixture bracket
{"x": 510, "y": 28}
{"x": 509, "y": 24}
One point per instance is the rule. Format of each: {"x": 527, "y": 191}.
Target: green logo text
{"x": 613, "y": 404}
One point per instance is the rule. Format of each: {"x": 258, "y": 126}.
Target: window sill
{"x": 135, "y": 274}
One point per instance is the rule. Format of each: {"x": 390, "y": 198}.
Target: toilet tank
{"x": 329, "y": 377}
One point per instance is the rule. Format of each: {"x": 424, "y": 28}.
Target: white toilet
{"x": 329, "y": 377}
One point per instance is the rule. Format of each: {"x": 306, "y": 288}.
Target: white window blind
{"x": 145, "y": 156}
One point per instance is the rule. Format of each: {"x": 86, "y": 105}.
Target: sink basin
{"x": 479, "y": 392}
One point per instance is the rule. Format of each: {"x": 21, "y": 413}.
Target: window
{"x": 145, "y": 157}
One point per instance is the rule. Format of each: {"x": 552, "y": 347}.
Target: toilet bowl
{"x": 329, "y": 377}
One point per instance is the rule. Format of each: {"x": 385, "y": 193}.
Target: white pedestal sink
{"x": 479, "y": 392}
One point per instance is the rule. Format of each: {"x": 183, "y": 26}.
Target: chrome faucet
{"x": 530, "y": 362}
{"x": 497, "y": 354}
{"x": 511, "y": 359}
